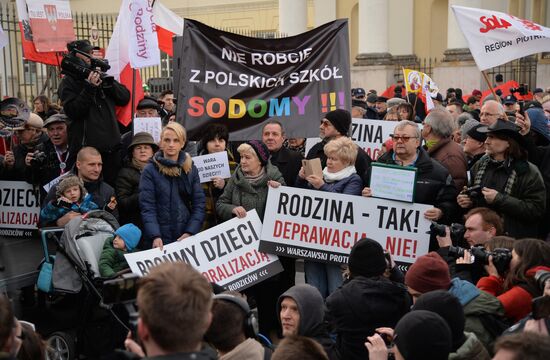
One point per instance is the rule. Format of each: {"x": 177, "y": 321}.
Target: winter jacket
{"x": 312, "y": 324}
{"x": 171, "y": 201}
{"x": 53, "y": 211}
{"x": 92, "y": 113}
{"x": 362, "y": 162}
{"x": 450, "y": 155}
{"x": 288, "y": 162}
{"x": 480, "y": 309}
{"x": 434, "y": 185}
{"x": 360, "y": 306}
{"x": 41, "y": 173}
{"x": 127, "y": 193}
{"x": 472, "y": 349}
{"x": 249, "y": 349}
{"x": 112, "y": 260}
{"x": 351, "y": 185}
{"x": 524, "y": 208}
{"x": 240, "y": 192}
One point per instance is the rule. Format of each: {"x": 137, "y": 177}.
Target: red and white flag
{"x": 168, "y": 25}
{"x": 496, "y": 38}
{"x": 133, "y": 45}
{"x": 29, "y": 50}
{"x": 51, "y": 23}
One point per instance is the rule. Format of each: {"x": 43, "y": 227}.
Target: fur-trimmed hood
{"x": 172, "y": 168}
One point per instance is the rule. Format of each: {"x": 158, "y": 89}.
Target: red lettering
{"x": 249, "y": 259}
{"x": 345, "y": 243}
{"x": 196, "y": 107}
{"x": 407, "y": 247}
{"x": 493, "y": 23}
{"x": 325, "y": 236}
{"x": 210, "y": 108}
{"x": 277, "y": 228}
{"x": 303, "y": 234}
{"x": 286, "y": 230}
{"x": 213, "y": 277}
{"x": 295, "y": 229}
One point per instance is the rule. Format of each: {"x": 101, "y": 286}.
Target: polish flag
{"x": 29, "y": 50}
{"x": 132, "y": 43}
{"x": 168, "y": 24}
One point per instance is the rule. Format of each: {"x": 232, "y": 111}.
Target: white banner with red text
{"x": 19, "y": 209}
{"x": 495, "y": 38}
{"x": 226, "y": 254}
{"x": 324, "y": 226}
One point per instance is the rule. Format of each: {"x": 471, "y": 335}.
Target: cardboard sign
{"x": 19, "y": 208}
{"x": 312, "y": 167}
{"x": 212, "y": 165}
{"x": 226, "y": 254}
{"x": 152, "y": 125}
{"x": 393, "y": 182}
{"x": 324, "y": 226}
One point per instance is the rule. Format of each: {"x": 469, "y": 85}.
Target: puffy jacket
{"x": 127, "y": 192}
{"x": 171, "y": 201}
{"x": 450, "y": 155}
{"x": 51, "y": 212}
{"x": 524, "y": 208}
{"x": 112, "y": 260}
{"x": 240, "y": 192}
{"x": 360, "y": 306}
{"x": 471, "y": 349}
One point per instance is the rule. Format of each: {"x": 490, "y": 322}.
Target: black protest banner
{"x": 226, "y": 254}
{"x": 19, "y": 209}
{"x": 242, "y": 82}
{"x": 323, "y": 226}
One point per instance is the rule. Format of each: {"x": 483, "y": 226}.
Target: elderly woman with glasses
{"x": 434, "y": 185}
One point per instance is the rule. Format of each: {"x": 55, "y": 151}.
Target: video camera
{"x": 457, "y": 231}
{"x": 123, "y": 291}
{"x": 78, "y": 68}
{"x": 501, "y": 256}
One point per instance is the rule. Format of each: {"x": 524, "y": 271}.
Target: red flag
{"x": 124, "y": 113}
{"x": 29, "y": 50}
{"x": 168, "y": 25}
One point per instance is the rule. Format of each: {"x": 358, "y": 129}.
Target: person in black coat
{"x": 365, "y": 302}
{"x": 287, "y": 161}
{"x": 336, "y": 124}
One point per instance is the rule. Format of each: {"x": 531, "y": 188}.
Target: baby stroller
{"x": 79, "y": 322}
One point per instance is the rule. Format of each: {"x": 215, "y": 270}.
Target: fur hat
{"x": 130, "y": 234}
{"x": 340, "y": 119}
{"x": 68, "y": 182}
{"x": 429, "y": 272}
{"x": 261, "y": 151}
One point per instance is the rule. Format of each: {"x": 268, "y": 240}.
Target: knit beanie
{"x": 130, "y": 234}
{"x": 340, "y": 119}
{"x": 449, "y": 308}
{"x": 476, "y": 135}
{"x": 429, "y": 272}
{"x": 421, "y": 335}
{"x": 539, "y": 123}
{"x": 261, "y": 151}
{"x": 367, "y": 258}
{"x": 68, "y": 182}
{"x": 468, "y": 125}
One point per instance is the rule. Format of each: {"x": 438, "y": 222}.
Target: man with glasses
{"x": 434, "y": 185}
{"x": 490, "y": 112}
{"x": 336, "y": 124}
{"x": 10, "y": 331}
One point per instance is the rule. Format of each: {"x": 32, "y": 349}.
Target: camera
{"x": 541, "y": 277}
{"x": 78, "y": 68}
{"x": 501, "y": 256}
{"x": 522, "y": 89}
{"x": 456, "y": 230}
{"x": 38, "y": 158}
{"x": 473, "y": 192}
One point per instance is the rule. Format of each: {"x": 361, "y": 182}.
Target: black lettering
{"x": 306, "y": 206}
{"x": 256, "y": 238}
{"x": 208, "y": 250}
{"x": 405, "y": 214}
{"x": 316, "y": 211}
{"x": 283, "y": 201}
{"x": 382, "y": 209}
{"x": 142, "y": 268}
{"x": 233, "y": 238}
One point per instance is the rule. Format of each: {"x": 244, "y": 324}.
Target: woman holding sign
{"x": 171, "y": 198}
{"x": 339, "y": 176}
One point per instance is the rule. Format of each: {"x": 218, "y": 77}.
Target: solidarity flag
{"x": 29, "y": 50}
{"x": 421, "y": 84}
{"x": 496, "y": 38}
{"x": 168, "y": 25}
{"x": 133, "y": 45}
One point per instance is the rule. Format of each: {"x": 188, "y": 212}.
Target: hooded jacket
{"x": 471, "y": 349}
{"x": 311, "y": 310}
{"x": 360, "y": 306}
{"x": 171, "y": 201}
{"x": 240, "y": 192}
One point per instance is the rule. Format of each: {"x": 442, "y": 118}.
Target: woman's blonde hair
{"x": 182, "y": 137}
{"x": 343, "y": 148}
{"x": 246, "y": 148}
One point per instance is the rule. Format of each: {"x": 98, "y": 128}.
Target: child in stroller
{"x": 112, "y": 258}
{"x": 71, "y": 196}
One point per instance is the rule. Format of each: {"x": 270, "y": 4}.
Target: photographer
{"x": 29, "y": 135}
{"x": 519, "y": 287}
{"x": 89, "y": 98}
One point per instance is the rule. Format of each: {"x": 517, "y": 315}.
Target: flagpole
{"x": 497, "y": 98}
{"x": 133, "y": 99}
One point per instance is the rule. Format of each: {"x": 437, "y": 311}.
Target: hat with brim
{"x": 56, "y": 118}
{"x": 34, "y": 121}
{"x": 143, "y": 138}
{"x": 504, "y": 128}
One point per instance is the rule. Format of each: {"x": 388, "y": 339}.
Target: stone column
{"x": 324, "y": 10}
{"x": 457, "y": 46}
{"x": 292, "y": 17}
{"x": 401, "y": 31}
{"x": 374, "y": 23}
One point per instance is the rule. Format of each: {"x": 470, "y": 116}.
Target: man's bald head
{"x": 89, "y": 164}
{"x": 86, "y": 152}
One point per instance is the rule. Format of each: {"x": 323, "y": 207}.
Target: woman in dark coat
{"x": 140, "y": 151}
{"x": 171, "y": 198}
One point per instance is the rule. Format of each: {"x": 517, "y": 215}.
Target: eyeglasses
{"x": 402, "y": 138}
{"x": 487, "y": 114}
{"x": 325, "y": 123}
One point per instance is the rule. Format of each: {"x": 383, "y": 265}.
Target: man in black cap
{"x": 358, "y": 94}
{"x": 336, "y": 124}
{"x": 371, "y": 113}
{"x": 538, "y": 94}
{"x": 474, "y": 145}
{"x": 381, "y": 106}
{"x": 367, "y": 301}
{"x": 148, "y": 107}
{"x": 510, "y": 102}
{"x": 90, "y": 104}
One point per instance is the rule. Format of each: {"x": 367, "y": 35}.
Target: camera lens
{"x": 541, "y": 277}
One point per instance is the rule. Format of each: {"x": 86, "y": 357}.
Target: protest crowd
{"x": 482, "y": 165}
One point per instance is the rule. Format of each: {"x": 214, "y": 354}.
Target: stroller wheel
{"x": 61, "y": 346}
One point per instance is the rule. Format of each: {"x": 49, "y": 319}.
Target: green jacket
{"x": 239, "y": 192}
{"x": 112, "y": 260}
{"x": 472, "y": 349}
{"x": 483, "y": 305}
